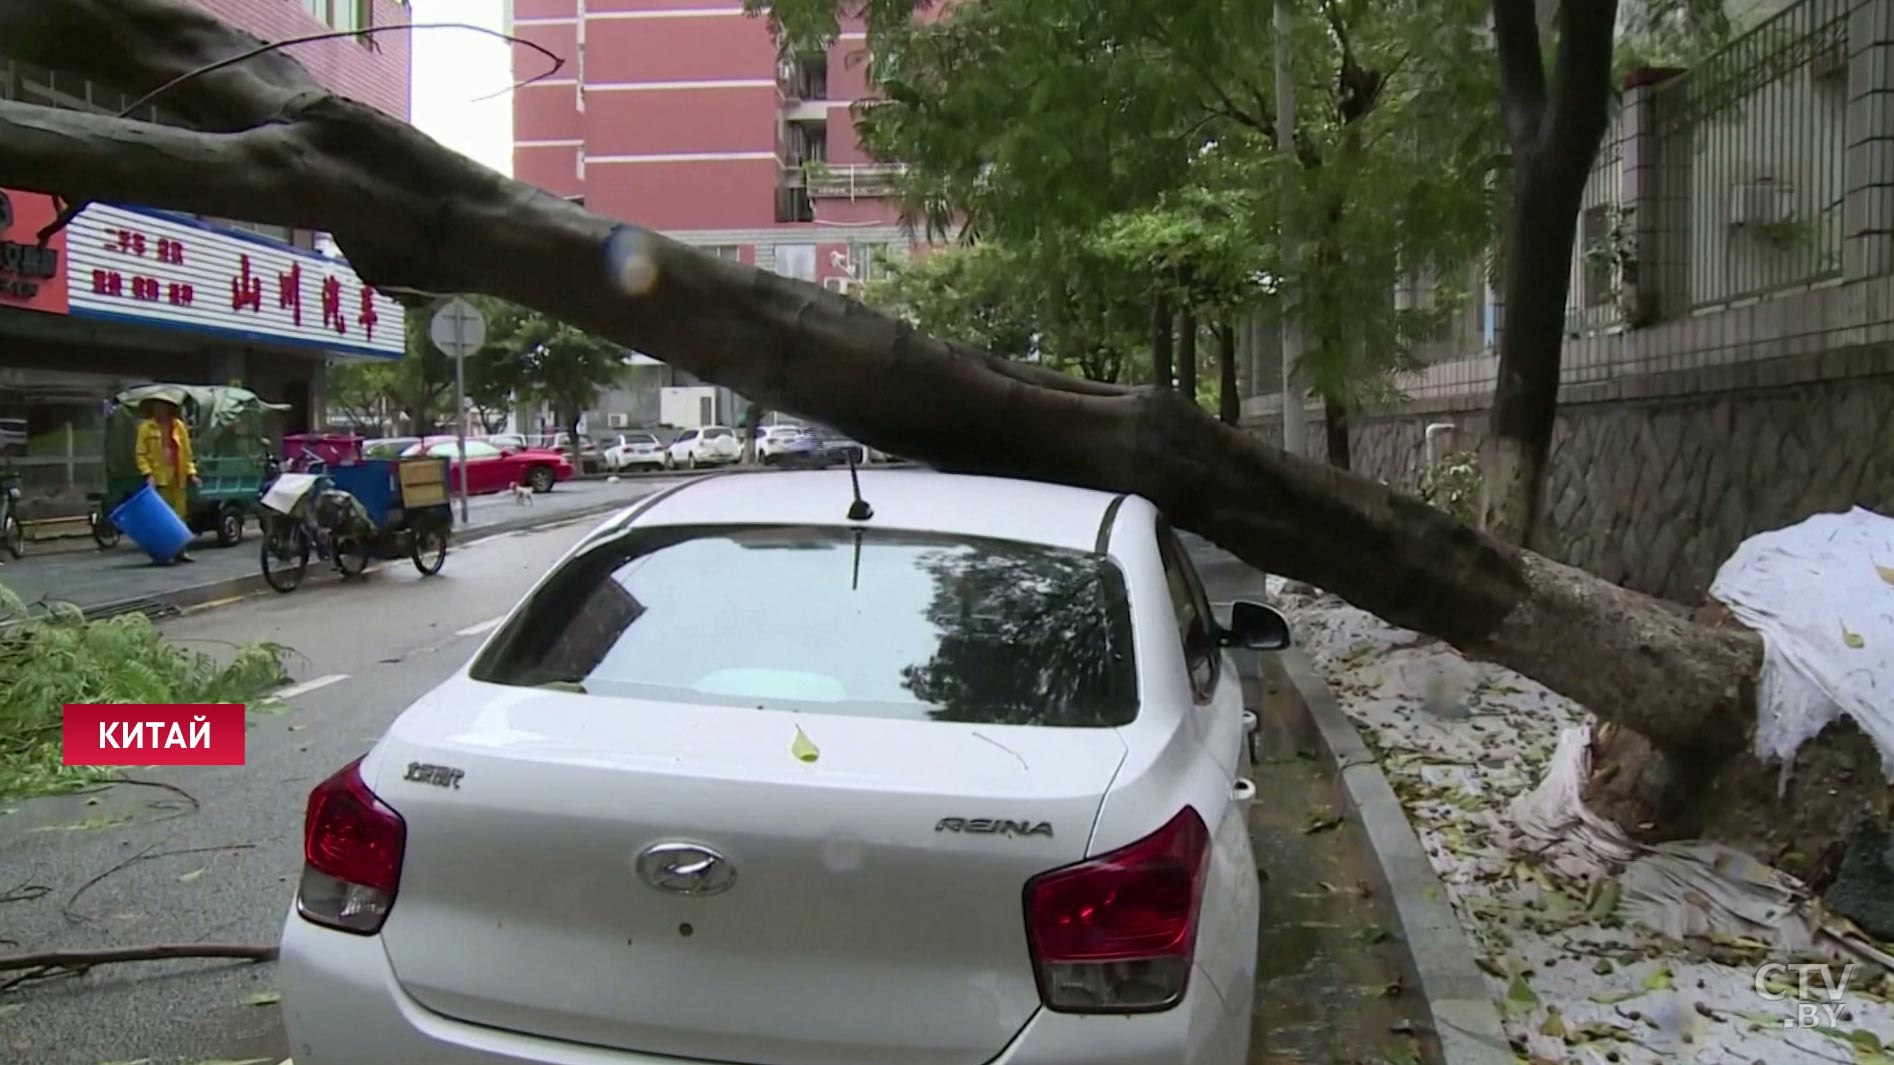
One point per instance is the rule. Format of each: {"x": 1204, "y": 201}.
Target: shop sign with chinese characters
{"x": 31, "y": 277}
{"x": 156, "y": 268}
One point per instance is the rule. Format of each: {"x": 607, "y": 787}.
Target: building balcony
{"x": 806, "y": 110}
{"x": 851, "y": 181}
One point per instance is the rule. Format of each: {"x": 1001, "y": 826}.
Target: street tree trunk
{"x": 1554, "y": 135}
{"x": 1229, "y": 399}
{"x": 418, "y": 218}
{"x": 752, "y": 425}
{"x": 1161, "y": 336}
{"x": 1335, "y": 421}
{"x": 1187, "y": 355}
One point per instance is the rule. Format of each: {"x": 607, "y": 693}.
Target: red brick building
{"x": 374, "y": 70}
{"x": 683, "y": 116}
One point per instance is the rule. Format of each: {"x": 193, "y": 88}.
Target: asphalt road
{"x": 141, "y": 864}
{"x": 367, "y": 650}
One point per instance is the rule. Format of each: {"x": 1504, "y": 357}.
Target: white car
{"x": 634, "y": 450}
{"x": 984, "y": 801}
{"x": 712, "y": 445}
{"x": 786, "y": 444}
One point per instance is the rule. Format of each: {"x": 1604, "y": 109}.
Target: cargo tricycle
{"x": 229, "y": 439}
{"x": 351, "y": 514}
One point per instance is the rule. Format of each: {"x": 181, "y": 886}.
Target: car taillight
{"x": 1117, "y": 933}
{"x": 352, "y": 847}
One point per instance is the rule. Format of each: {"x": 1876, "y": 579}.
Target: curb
{"x": 197, "y": 597}
{"x": 1465, "y": 1019}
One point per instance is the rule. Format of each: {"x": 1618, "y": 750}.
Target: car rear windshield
{"x": 715, "y": 434}
{"x": 871, "y": 623}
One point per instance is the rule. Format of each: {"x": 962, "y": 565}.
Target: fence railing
{"x": 1750, "y": 178}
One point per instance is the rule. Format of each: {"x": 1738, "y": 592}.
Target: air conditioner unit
{"x": 1761, "y": 203}
{"x": 618, "y": 421}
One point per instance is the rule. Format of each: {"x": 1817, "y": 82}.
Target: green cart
{"x": 229, "y": 438}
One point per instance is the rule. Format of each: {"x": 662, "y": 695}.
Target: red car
{"x": 492, "y": 469}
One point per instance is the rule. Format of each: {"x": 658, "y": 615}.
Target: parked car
{"x": 712, "y": 445}
{"x": 837, "y": 449}
{"x": 633, "y": 451}
{"x": 590, "y": 454}
{"x": 492, "y": 469}
{"x": 868, "y": 836}
{"x": 386, "y": 447}
{"x": 786, "y": 445}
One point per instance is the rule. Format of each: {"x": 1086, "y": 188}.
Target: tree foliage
{"x": 1137, "y": 138}
{"x": 51, "y": 655}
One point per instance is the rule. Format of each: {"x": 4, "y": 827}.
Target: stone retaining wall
{"x": 1655, "y": 492}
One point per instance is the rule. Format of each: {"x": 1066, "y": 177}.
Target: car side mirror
{"x": 1256, "y": 627}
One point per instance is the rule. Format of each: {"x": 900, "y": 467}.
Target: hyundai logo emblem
{"x": 686, "y": 869}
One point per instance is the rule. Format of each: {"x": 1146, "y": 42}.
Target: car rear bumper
{"x": 342, "y": 1006}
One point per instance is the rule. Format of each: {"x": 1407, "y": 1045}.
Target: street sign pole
{"x": 459, "y": 330}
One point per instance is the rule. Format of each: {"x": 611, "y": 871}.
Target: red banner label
{"x": 153, "y": 734}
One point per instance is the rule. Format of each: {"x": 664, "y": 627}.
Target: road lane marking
{"x": 308, "y": 686}
{"x": 486, "y": 626}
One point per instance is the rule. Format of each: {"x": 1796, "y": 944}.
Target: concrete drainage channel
{"x": 1465, "y": 1020}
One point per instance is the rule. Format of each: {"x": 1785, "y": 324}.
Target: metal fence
{"x": 1749, "y": 146}
{"x": 1606, "y": 243}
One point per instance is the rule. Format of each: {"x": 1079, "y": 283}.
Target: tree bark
{"x": 752, "y": 424}
{"x": 1161, "y": 337}
{"x": 1187, "y": 355}
{"x": 417, "y": 217}
{"x": 1229, "y": 398}
{"x": 1554, "y": 137}
{"x": 1335, "y": 421}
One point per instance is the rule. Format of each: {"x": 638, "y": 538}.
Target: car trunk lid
{"x": 875, "y": 910}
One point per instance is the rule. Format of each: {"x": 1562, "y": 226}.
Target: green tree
{"x": 358, "y": 390}
{"x": 1144, "y": 130}
{"x": 564, "y": 367}
{"x": 495, "y": 375}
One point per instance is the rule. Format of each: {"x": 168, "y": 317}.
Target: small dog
{"x": 522, "y": 496}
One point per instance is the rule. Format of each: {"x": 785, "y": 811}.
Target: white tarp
{"x": 287, "y": 491}
{"x": 1821, "y": 593}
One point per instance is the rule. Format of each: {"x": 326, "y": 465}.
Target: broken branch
{"x": 80, "y": 960}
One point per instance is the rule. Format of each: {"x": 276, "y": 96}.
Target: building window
{"x": 721, "y": 251}
{"x": 342, "y": 14}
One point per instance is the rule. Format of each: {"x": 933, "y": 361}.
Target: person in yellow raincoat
{"x": 165, "y": 459}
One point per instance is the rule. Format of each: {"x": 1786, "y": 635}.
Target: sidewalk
{"x": 124, "y": 579}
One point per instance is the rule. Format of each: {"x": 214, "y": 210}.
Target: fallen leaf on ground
{"x": 1320, "y": 823}
{"x": 192, "y": 875}
{"x": 1659, "y": 980}
{"x": 263, "y": 998}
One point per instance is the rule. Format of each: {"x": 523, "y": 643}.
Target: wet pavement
{"x": 75, "y": 571}
{"x": 1333, "y": 981}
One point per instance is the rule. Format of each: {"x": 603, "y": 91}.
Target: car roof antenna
{"x": 859, "y": 510}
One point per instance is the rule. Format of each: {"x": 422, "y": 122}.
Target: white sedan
{"x": 712, "y": 445}
{"x": 984, "y": 801}
{"x": 633, "y": 451}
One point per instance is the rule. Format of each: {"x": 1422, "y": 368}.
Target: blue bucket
{"x": 152, "y": 525}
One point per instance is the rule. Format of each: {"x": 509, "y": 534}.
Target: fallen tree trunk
{"x": 414, "y": 216}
